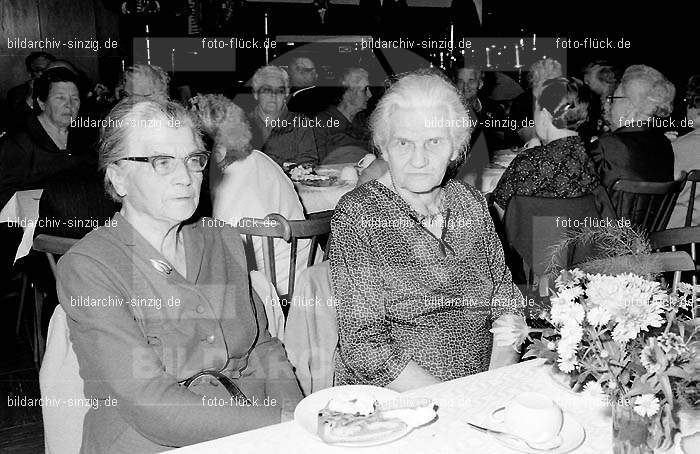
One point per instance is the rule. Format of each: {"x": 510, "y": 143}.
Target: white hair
{"x": 422, "y": 89}
{"x": 267, "y": 71}
{"x": 653, "y": 94}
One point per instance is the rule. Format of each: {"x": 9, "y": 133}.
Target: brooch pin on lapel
{"x": 162, "y": 266}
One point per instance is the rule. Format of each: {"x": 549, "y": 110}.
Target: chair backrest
{"x": 534, "y": 224}
{"x": 692, "y": 179}
{"x": 646, "y": 204}
{"x": 64, "y": 404}
{"x": 276, "y": 226}
{"x": 688, "y": 237}
{"x": 53, "y": 245}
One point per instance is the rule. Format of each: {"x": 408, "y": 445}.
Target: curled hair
{"x": 42, "y": 85}
{"x": 654, "y": 94}
{"x": 541, "y": 71}
{"x": 266, "y": 71}
{"x": 692, "y": 93}
{"x": 422, "y": 89}
{"x": 152, "y": 80}
{"x": 133, "y": 113}
{"x": 35, "y": 56}
{"x": 225, "y": 123}
{"x": 568, "y": 100}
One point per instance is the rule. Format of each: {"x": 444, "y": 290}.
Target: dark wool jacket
{"x": 29, "y": 159}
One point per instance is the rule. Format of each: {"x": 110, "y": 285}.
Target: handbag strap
{"x": 226, "y": 382}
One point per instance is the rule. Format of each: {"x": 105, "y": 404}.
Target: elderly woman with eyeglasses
{"x": 636, "y": 149}
{"x": 417, "y": 269}
{"x": 152, "y": 300}
{"x": 284, "y": 136}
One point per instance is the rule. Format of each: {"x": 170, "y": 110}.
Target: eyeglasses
{"x": 306, "y": 70}
{"x": 611, "y": 99}
{"x": 269, "y": 91}
{"x": 164, "y": 165}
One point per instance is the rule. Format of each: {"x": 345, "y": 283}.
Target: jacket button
{"x": 200, "y": 309}
{"x": 211, "y": 339}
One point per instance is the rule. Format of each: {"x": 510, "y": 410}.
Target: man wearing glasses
{"x": 306, "y": 97}
{"x": 277, "y": 132}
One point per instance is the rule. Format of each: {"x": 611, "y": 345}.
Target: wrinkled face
{"x": 62, "y": 103}
{"x": 304, "y": 73}
{"x": 418, "y": 151}
{"x": 38, "y": 66}
{"x": 359, "y": 92}
{"x": 170, "y": 198}
{"x": 468, "y": 82}
{"x": 271, "y": 95}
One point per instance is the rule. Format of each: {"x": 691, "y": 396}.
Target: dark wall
{"x": 68, "y": 21}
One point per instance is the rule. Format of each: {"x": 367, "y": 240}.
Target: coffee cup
{"x": 531, "y": 416}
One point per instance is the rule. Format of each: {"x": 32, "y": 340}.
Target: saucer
{"x": 572, "y": 435}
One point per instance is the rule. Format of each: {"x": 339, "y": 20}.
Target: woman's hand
{"x": 510, "y": 330}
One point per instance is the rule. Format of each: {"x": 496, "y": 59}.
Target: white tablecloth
{"x": 23, "y": 210}
{"x": 316, "y": 199}
{"x": 470, "y": 398}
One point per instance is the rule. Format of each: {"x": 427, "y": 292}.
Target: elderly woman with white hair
{"x": 636, "y": 149}
{"x": 246, "y": 183}
{"x": 159, "y": 310}
{"x": 417, "y": 269}
{"x": 149, "y": 81}
{"x": 282, "y": 135}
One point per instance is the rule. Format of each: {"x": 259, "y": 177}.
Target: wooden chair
{"x": 671, "y": 239}
{"x": 693, "y": 178}
{"x": 276, "y": 226}
{"x": 51, "y": 246}
{"x": 646, "y": 204}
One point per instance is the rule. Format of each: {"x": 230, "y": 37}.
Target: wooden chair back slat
{"x": 275, "y": 226}
{"x": 673, "y": 238}
{"x": 647, "y": 204}
{"x": 692, "y": 179}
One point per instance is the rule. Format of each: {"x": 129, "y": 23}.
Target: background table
{"x": 323, "y": 198}
{"x": 23, "y": 209}
{"x": 470, "y": 398}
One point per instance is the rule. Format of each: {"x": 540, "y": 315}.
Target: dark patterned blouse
{"x": 560, "y": 169}
{"x": 401, "y": 296}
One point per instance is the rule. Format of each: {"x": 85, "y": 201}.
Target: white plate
{"x": 306, "y": 413}
{"x": 572, "y": 435}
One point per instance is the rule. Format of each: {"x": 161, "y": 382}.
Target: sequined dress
{"x": 559, "y": 169}
{"x": 400, "y": 299}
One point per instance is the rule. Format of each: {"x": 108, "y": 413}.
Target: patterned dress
{"x": 400, "y": 299}
{"x": 559, "y": 169}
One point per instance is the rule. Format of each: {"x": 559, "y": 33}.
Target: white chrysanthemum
{"x": 566, "y": 312}
{"x": 571, "y": 335}
{"x": 594, "y": 392}
{"x": 635, "y": 318}
{"x": 598, "y": 316}
{"x": 570, "y": 294}
{"x": 646, "y": 405}
{"x": 566, "y": 366}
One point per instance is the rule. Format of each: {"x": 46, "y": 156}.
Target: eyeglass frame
{"x": 281, "y": 91}
{"x": 611, "y": 99}
{"x": 151, "y": 160}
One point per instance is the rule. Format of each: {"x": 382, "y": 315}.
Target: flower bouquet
{"x": 626, "y": 339}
